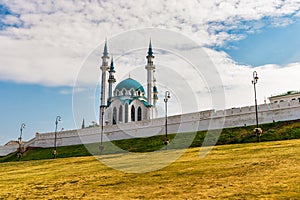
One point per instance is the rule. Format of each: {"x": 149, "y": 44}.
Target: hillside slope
{"x": 266, "y": 170}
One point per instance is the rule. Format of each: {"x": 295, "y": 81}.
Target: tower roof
{"x": 129, "y": 84}
{"x": 150, "y": 52}
{"x": 112, "y": 68}
{"x": 155, "y": 89}
{"x": 105, "y": 52}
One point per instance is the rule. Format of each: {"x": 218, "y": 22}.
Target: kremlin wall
{"x": 203, "y": 120}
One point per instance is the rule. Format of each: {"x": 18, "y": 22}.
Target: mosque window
{"x": 114, "y": 120}
{"x": 131, "y": 92}
{"x": 139, "y": 114}
{"x": 132, "y": 113}
{"x": 120, "y": 113}
{"x": 126, "y": 113}
{"x": 124, "y": 92}
{"x": 118, "y": 93}
{"x": 139, "y": 93}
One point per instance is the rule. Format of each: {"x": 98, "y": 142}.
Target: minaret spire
{"x": 105, "y": 52}
{"x": 112, "y": 67}
{"x": 150, "y": 52}
{"x": 105, "y": 56}
{"x": 111, "y": 79}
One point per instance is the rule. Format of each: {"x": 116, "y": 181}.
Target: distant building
{"x": 286, "y": 97}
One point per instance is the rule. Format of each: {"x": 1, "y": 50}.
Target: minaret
{"x": 104, "y": 67}
{"x": 111, "y": 79}
{"x": 150, "y": 68}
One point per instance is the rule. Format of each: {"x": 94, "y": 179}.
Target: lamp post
{"x": 101, "y": 147}
{"x": 167, "y": 97}
{"x": 58, "y": 119}
{"x": 20, "y": 140}
{"x": 254, "y": 82}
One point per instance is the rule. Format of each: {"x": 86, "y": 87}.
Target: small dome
{"x": 129, "y": 84}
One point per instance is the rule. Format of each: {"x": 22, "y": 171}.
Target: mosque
{"x": 128, "y": 102}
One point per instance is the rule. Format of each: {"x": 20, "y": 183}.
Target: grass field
{"x": 237, "y": 171}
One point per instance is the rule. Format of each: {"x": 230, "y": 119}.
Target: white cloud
{"x": 273, "y": 79}
{"x": 54, "y": 37}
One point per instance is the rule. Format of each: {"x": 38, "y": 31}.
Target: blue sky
{"x": 277, "y": 45}
{"x": 36, "y": 106}
{"x": 44, "y": 43}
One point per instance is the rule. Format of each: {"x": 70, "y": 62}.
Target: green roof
{"x": 155, "y": 89}
{"x": 287, "y": 93}
{"x": 129, "y": 84}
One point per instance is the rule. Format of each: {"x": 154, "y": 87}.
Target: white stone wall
{"x": 180, "y": 123}
{"x": 203, "y": 120}
{"x": 5, "y": 150}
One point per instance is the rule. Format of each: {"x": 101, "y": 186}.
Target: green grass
{"x": 272, "y": 132}
{"x": 266, "y": 170}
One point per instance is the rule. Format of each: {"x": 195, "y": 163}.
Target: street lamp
{"x": 58, "y": 119}
{"x": 101, "y": 147}
{"x": 20, "y": 141}
{"x": 256, "y": 130}
{"x": 167, "y": 97}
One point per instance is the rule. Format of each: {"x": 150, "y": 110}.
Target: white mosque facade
{"x": 129, "y": 102}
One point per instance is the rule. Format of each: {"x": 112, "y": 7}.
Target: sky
{"x": 46, "y": 46}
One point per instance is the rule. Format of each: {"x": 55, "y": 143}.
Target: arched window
{"x": 117, "y": 93}
{"x": 124, "y": 92}
{"x": 139, "y": 114}
{"x": 126, "y": 113}
{"x": 132, "y": 113}
{"x": 131, "y": 92}
{"x": 120, "y": 113}
{"x": 114, "y": 119}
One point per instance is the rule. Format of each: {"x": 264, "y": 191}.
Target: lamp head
{"x": 22, "y": 126}
{"x": 167, "y": 95}
{"x": 58, "y": 119}
{"x": 255, "y": 77}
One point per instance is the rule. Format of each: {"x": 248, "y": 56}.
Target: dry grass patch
{"x": 241, "y": 171}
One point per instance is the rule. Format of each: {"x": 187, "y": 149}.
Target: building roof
{"x": 286, "y": 94}
{"x": 155, "y": 89}
{"x": 129, "y": 84}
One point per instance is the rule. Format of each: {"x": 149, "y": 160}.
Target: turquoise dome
{"x": 129, "y": 84}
